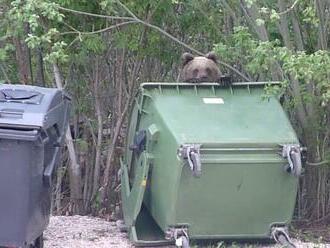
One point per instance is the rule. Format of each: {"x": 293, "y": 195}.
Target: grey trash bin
{"x": 33, "y": 121}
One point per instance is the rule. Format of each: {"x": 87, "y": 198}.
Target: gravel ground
{"x": 90, "y": 232}
{"x": 83, "y": 232}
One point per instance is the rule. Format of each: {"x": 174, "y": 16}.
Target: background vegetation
{"x": 100, "y": 51}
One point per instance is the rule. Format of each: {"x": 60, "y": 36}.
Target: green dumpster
{"x": 208, "y": 162}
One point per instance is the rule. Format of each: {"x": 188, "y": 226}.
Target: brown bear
{"x": 200, "y": 69}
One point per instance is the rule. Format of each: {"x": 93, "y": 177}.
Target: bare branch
{"x": 324, "y": 162}
{"x": 69, "y": 26}
{"x": 100, "y": 30}
{"x": 289, "y": 9}
{"x": 127, "y": 9}
{"x": 95, "y": 15}
{"x": 159, "y": 30}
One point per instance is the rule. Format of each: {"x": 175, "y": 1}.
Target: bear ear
{"x": 186, "y": 57}
{"x": 212, "y": 56}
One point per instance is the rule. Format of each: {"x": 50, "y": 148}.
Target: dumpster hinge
{"x": 292, "y": 153}
{"x": 190, "y": 153}
{"x": 179, "y": 234}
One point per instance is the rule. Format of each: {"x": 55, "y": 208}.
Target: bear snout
{"x": 203, "y": 78}
{"x": 198, "y": 79}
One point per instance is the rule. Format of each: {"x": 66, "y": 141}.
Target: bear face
{"x": 200, "y": 69}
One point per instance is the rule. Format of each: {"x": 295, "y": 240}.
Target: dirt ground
{"x": 83, "y": 232}
{"x": 91, "y": 232}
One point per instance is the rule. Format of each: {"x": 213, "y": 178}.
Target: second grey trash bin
{"x": 33, "y": 121}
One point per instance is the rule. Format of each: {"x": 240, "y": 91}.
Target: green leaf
{"x": 274, "y": 16}
{"x": 260, "y": 22}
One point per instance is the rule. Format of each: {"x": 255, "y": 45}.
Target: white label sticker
{"x": 213, "y": 101}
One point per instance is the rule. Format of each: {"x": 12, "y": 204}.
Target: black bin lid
{"x": 20, "y": 95}
{"x": 29, "y": 106}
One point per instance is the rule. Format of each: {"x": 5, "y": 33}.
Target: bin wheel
{"x": 185, "y": 242}
{"x": 121, "y": 226}
{"x": 282, "y": 239}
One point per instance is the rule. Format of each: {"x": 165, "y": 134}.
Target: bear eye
{"x": 195, "y": 73}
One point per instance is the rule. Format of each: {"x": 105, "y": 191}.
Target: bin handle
{"x": 48, "y": 172}
{"x": 19, "y": 134}
{"x": 11, "y": 113}
{"x": 292, "y": 153}
{"x": 190, "y": 153}
{"x": 194, "y": 161}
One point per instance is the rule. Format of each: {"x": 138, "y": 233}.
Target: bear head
{"x": 200, "y": 68}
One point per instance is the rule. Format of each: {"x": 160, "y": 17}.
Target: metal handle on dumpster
{"x": 11, "y": 113}
{"x": 48, "y": 172}
{"x": 19, "y": 134}
{"x": 191, "y": 153}
{"x": 293, "y": 154}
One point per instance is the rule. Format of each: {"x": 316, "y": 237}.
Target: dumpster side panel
{"x": 165, "y": 171}
{"x": 39, "y": 200}
{"x": 14, "y": 199}
{"x": 25, "y": 203}
{"x": 236, "y": 200}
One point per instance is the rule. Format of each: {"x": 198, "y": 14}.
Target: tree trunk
{"x": 40, "y": 75}
{"x": 23, "y": 61}
{"x": 321, "y": 6}
{"x": 74, "y": 169}
{"x": 98, "y": 113}
{"x": 283, "y": 25}
{"x": 297, "y": 32}
{"x": 58, "y": 191}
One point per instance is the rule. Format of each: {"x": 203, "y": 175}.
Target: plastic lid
{"x": 23, "y": 96}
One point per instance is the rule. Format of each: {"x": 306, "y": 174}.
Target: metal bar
{"x": 213, "y": 90}
{"x": 239, "y": 149}
{"x": 196, "y": 91}
{"x": 174, "y": 84}
{"x": 178, "y": 89}
{"x": 241, "y": 161}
